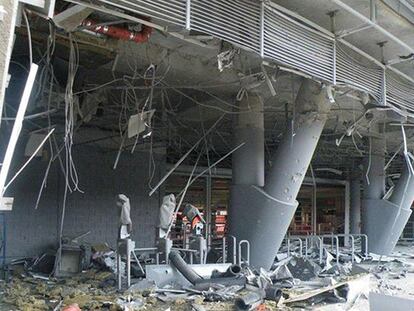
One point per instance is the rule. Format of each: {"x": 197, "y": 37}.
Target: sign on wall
{"x": 6, "y": 204}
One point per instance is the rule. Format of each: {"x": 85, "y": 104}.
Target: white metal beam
{"x": 17, "y": 127}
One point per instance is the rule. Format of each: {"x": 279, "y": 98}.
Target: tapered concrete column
{"x": 248, "y": 161}
{"x": 291, "y": 161}
{"x": 384, "y": 220}
{"x": 262, "y": 216}
{"x": 355, "y": 221}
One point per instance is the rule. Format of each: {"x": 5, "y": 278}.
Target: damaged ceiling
{"x": 112, "y": 82}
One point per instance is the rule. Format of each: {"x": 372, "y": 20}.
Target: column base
{"x": 384, "y": 223}
{"x": 262, "y": 220}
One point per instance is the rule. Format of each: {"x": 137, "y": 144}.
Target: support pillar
{"x": 374, "y": 175}
{"x": 262, "y": 216}
{"x": 374, "y": 183}
{"x": 248, "y": 161}
{"x": 355, "y": 219}
{"x": 291, "y": 161}
{"x": 384, "y": 220}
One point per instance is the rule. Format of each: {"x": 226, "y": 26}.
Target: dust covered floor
{"x": 96, "y": 290}
{"x": 92, "y": 290}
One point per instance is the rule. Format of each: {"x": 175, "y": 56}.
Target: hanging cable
{"x": 369, "y": 162}
{"x": 29, "y": 36}
{"x": 72, "y": 179}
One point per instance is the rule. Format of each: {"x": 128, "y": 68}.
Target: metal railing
{"x": 305, "y": 241}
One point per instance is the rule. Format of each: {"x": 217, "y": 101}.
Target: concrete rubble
{"x": 292, "y": 283}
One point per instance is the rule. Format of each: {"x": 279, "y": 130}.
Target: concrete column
{"x": 291, "y": 161}
{"x": 262, "y": 216}
{"x": 374, "y": 182}
{"x": 384, "y": 220}
{"x": 374, "y": 185}
{"x": 355, "y": 221}
{"x": 248, "y": 161}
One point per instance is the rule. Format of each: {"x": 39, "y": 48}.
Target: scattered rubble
{"x": 294, "y": 282}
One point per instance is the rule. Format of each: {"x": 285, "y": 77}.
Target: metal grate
{"x": 400, "y": 94}
{"x": 170, "y": 11}
{"x": 352, "y": 73}
{"x": 277, "y": 34}
{"x": 294, "y": 44}
{"x": 236, "y": 21}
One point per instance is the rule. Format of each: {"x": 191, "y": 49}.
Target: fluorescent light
{"x": 17, "y": 127}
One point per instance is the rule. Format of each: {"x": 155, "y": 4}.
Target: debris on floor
{"x": 294, "y": 283}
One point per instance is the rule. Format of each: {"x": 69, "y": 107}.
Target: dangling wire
{"x": 29, "y": 36}
{"x": 72, "y": 179}
{"x": 369, "y": 162}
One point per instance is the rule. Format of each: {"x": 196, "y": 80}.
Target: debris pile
{"x": 294, "y": 282}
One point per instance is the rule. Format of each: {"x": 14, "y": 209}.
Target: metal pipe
{"x": 234, "y": 245}
{"x": 247, "y": 259}
{"x": 300, "y": 244}
{"x": 232, "y": 271}
{"x": 306, "y": 248}
{"x": 119, "y": 32}
{"x": 250, "y": 301}
{"x": 364, "y": 247}
{"x": 224, "y": 250}
{"x": 184, "y": 269}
